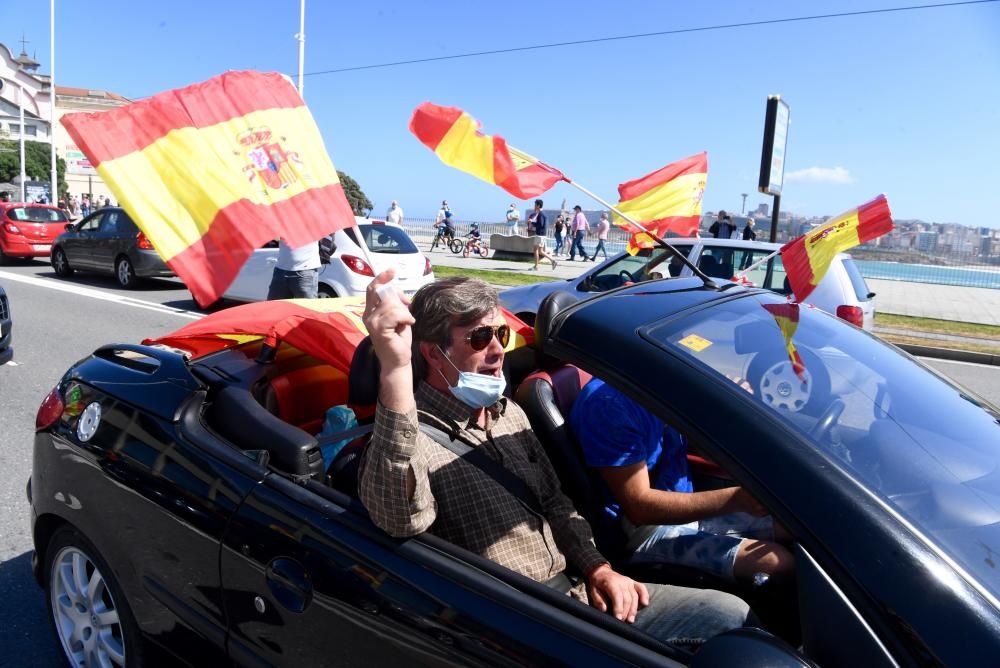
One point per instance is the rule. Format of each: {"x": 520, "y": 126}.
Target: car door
{"x": 78, "y": 243}
{"x": 254, "y": 279}
{"x": 310, "y": 581}
{"x": 114, "y": 226}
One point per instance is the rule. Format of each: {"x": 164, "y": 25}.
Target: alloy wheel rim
{"x": 123, "y": 272}
{"x": 60, "y": 261}
{"x": 85, "y": 615}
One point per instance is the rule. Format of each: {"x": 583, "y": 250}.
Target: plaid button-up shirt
{"x": 459, "y": 502}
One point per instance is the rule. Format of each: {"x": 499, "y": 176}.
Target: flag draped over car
{"x": 327, "y": 329}
{"x": 787, "y": 317}
{"x": 455, "y": 137}
{"x": 212, "y": 171}
{"x": 668, "y": 200}
{"x": 807, "y": 258}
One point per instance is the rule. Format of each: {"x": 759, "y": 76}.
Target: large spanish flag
{"x": 787, "y": 317}
{"x": 212, "y": 171}
{"x": 668, "y": 200}
{"x": 807, "y": 258}
{"x": 455, "y": 137}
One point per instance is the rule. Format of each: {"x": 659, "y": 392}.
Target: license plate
{"x": 42, "y": 247}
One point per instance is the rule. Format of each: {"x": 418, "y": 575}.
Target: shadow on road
{"x": 26, "y": 638}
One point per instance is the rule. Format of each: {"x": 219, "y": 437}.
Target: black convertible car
{"x": 181, "y": 503}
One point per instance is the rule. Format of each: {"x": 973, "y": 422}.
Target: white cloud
{"x": 820, "y": 175}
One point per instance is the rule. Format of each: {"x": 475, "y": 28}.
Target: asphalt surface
{"x": 56, "y": 323}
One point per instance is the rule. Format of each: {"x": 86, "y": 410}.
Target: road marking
{"x": 53, "y": 284}
{"x": 11, "y": 363}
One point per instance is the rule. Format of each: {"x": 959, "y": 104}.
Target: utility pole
{"x": 301, "y": 37}
{"x": 743, "y": 210}
{"x": 54, "y": 198}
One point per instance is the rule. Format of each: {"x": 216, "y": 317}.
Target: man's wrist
{"x": 593, "y": 571}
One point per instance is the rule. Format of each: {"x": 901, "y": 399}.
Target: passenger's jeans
{"x": 687, "y": 616}
{"x": 599, "y": 249}
{"x": 577, "y": 243}
{"x": 559, "y": 242}
{"x": 293, "y": 284}
{"x": 709, "y": 545}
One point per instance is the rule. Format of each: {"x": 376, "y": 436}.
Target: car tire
{"x": 90, "y": 616}
{"x": 60, "y": 264}
{"x": 326, "y": 292}
{"x": 125, "y": 273}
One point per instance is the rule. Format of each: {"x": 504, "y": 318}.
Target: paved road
{"x": 58, "y": 322}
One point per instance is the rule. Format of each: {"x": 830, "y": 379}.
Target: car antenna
{"x": 705, "y": 279}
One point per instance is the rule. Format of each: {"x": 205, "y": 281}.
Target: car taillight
{"x": 427, "y": 266}
{"x": 852, "y": 314}
{"x": 50, "y": 411}
{"x": 142, "y": 242}
{"x": 12, "y": 228}
{"x": 357, "y": 265}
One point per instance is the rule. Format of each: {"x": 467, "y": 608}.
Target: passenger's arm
{"x": 394, "y": 486}
{"x": 642, "y": 504}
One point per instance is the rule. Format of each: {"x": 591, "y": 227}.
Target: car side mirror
{"x": 748, "y": 647}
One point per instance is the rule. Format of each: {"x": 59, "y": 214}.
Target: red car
{"x": 28, "y": 230}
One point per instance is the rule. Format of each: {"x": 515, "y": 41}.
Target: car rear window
{"x": 384, "y": 239}
{"x": 928, "y": 448}
{"x": 857, "y": 280}
{"x": 37, "y": 214}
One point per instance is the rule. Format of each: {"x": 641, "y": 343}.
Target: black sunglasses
{"x": 480, "y": 337}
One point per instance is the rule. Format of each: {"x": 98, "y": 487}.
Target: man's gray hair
{"x": 438, "y": 306}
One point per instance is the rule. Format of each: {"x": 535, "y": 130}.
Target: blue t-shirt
{"x": 614, "y": 430}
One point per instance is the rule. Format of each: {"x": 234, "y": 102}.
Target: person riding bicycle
{"x": 474, "y": 241}
{"x": 445, "y": 229}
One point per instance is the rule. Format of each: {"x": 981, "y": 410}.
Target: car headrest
{"x": 547, "y": 310}
{"x": 362, "y": 382}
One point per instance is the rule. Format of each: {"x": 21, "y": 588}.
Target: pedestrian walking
{"x": 602, "y": 235}
{"x": 578, "y": 230}
{"x": 513, "y": 218}
{"x": 748, "y": 233}
{"x": 558, "y": 231}
{"x": 536, "y": 229}
{"x": 394, "y": 216}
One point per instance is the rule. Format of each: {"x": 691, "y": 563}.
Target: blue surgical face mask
{"x": 476, "y": 390}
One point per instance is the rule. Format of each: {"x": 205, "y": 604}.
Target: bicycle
{"x": 446, "y": 236}
{"x": 475, "y": 245}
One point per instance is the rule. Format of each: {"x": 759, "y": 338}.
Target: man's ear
{"x": 431, "y": 354}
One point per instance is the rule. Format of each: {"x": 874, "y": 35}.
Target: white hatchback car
{"x": 348, "y": 273}
{"x": 842, "y": 292}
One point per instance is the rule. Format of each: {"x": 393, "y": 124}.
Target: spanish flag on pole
{"x": 808, "y": 257}
{"x": 212, "y": 171}
{"x": 787, "y": 317}
{"x": 668, "y": 200}
{"x": 455, "y": 137}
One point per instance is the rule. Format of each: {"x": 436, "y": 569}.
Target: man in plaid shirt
{"x": 455, "y": 334}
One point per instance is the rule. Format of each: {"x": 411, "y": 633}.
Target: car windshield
{"x": 926, "y": 447}
{"x": 384, "y": 239}
{"x": 37, "y": 214}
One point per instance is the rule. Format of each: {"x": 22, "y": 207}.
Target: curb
{"x": 950, "y": 354}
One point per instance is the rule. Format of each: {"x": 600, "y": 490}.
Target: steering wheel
{"x": 827, "y": 420}
{"x": 625, "y": 277}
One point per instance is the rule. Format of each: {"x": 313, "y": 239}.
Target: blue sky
{"x": 906, "y": 103}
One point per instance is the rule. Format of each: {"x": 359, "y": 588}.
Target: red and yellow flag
{"x": 787, "y": 317}
{"x": 668, "y": 200}
{"x": 212, "y": 171}
{"x": 455, "y": 137}
{"x": 808, "y": 257}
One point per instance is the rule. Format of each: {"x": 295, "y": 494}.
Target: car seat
{"x": 547, "y": 397}
{"x": 362, "y": 396}
{"x": 709, "y": 266}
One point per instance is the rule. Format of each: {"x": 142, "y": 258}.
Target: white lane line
{"x": 82, "y": 291}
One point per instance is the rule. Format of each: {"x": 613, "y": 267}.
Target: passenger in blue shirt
{"x": 643, "y": 462}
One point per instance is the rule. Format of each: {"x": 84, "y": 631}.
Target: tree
{"x": 37, "y": 158}
{"x": 355, "y": 196}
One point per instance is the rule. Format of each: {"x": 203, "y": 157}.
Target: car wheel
{"x": 89, "y": 613}
{"x": 326, "y": 292}
{"x": 125, "y": 273}
{"x": 60, "y": 264}
{"x": 4, "y": 258}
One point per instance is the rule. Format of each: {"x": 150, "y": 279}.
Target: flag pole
{"x": 54, "y": 176}
{"x": 676, "y": 253}
{"x": 743, "y": 272}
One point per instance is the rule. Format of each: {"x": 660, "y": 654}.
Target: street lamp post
{"x": 744, "y": 209}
